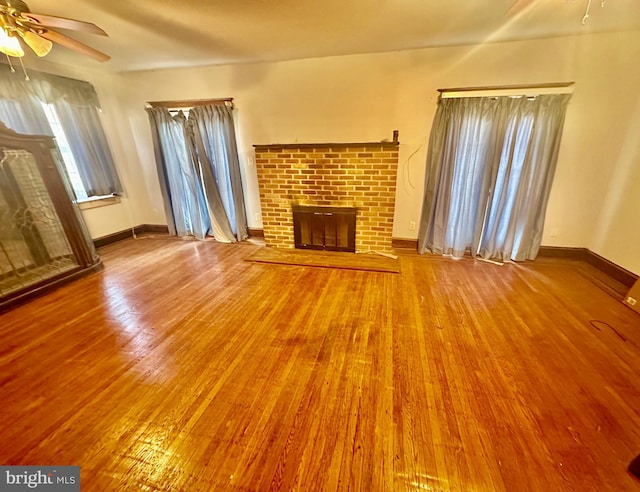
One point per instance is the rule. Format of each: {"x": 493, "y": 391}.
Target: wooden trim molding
{"x": 112, "y": 238}
{"x": 607, "y": 267}
{"x": 148, "y": 229}
{"x": 614, "y": 271}
{"x": 403, "y": 243}
{"x": 128, "y": 233}
{"x": 152, "y": 229}
{"x": 255, "y": 232}
{"x": 563, "y": 252}
{"x": 324, "y": 146}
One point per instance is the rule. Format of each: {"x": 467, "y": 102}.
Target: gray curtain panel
{"x": 88, "y": 143}
{"x": 198, "y": 168}
{"x": 216, "y": 131}
{"x": 156, "y": 119}
{"x": 179, "y": 175}
{"x": 220, "y": 224}
{"x": 490, "y": 166}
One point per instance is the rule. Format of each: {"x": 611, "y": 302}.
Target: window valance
{"x": 47, "y": 88}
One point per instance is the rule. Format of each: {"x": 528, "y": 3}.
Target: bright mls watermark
{"x": 45, "y": 478}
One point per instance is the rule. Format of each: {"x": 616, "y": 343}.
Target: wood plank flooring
{"x": 327, "y": 259}
{"x": 182, "y": 367}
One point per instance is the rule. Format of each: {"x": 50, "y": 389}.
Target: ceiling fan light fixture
{"x": 9, "y": 45}
{"x": 38, "y": 44}
{"x": 17, "y": 21}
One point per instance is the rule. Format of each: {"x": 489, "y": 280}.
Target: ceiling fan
{"x": 36, "y": 31}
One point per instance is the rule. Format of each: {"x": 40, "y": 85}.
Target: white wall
{"x": 596, "y": 193}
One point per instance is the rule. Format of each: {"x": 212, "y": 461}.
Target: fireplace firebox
{"x": 325, "y": 228}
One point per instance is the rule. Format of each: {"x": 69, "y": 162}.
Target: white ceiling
{"x": 150, "y": 34}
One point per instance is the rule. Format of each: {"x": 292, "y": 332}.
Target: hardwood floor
{"x": 183, "y": 367}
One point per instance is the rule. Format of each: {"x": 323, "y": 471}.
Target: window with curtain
{"x": 490, "y": 166}
{"x": 67, "y": 109}
{"x": 199, "y": 171}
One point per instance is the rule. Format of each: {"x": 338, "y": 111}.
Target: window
{"x": 65, "y": 151}
{"x": 67, "y": 109}
{"x": 199, "y": 170}
{"x": 490, "y": 167}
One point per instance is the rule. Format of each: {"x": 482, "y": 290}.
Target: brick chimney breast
{"x": 360, "y": 175}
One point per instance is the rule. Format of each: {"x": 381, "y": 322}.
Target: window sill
{"x": 98, "y": 201}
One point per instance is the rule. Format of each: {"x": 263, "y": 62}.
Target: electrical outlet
{"x": 257, "y": 217}
{"x": 631, "y": 301}
{"x": 412, "y": 226}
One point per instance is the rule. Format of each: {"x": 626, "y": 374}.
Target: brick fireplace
{"x": 356, "y": 175}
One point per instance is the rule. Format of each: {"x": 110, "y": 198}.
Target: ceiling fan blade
{"x": 39, "y": 45}
{"x": 67, "y": 42}
{"x": 64, "y": 23}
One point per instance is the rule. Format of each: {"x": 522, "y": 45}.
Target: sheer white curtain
{"x": 490, "y": 166}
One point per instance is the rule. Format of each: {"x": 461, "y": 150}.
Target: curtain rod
{"x": 550, "y": 85}
{"x": 190, "y": 104}
{"x": 508, "y": 90}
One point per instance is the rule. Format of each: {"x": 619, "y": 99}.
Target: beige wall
{"x": 596, "y": 193}
{"x": 610, "y": 148}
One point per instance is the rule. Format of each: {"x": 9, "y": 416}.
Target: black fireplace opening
{"x": 325, "y": 228}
